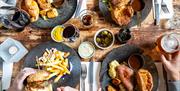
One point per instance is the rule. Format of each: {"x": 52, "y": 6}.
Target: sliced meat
{"x": 125, "y": 74}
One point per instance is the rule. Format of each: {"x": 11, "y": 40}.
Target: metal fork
{"x": 83, "y": 75}
{"x": 164, "y": 7}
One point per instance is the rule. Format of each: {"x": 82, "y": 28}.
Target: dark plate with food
{"x": 48, "y": 14}
{"x": 116, "y": 75}
{"x": 124, "y": 12}
{"x": 104, "y": 39}
{"x": 60, "y": 60}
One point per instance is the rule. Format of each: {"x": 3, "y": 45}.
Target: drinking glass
{"x": 15, "y": 19}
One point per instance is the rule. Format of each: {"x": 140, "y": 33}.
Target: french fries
{"x": 55, "y": 62}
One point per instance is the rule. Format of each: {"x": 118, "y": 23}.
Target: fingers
{"x": 59, "y": 89}
{"x": 99, "y": 89}
{"x": 163, "y": 59}
{"x": 18, "y": 82}
{"x": 26, "y": 72}
{"x": 67, "y": 88}
{"x": 176, "y": 56}
{"x": 169, "y": 57}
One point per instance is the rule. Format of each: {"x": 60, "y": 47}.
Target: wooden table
{"x": 144, "y": 37}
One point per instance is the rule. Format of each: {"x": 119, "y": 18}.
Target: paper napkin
{"x": 162, "y": 82}
{"x": 169, "y": 6}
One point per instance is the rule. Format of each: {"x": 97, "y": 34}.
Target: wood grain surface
{"x": 144, "y": 37}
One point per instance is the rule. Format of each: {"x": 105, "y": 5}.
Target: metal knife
{"x": 1, "y": 73}
{"x": 91, "y": 74}
{"x": 157, "y": 12}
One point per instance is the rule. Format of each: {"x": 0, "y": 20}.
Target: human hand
{"x": 18, "y": 82}
{"x": 172, "y": 65}
{"x": 125, "y": 73}
{"x": 67, "y": 88}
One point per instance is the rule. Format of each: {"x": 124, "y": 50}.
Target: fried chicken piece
{"x": 119, "y": 2}
{"x": 110, "y": 88}
{"x": 32, "y": 9}
{"x": 122, "y": 15}
{"x": 125, "y": 74}
{"x": 144, "y": 80}
{"x": 44, "y": 4}
{"x": 43, "y": 13}
{"x": 52, "y": 13}
{"x": 116, "y": 81}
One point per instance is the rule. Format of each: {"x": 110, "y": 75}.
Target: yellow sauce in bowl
{"x": 56, "y": 33}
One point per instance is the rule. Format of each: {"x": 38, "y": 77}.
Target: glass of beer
{"x": 168, "y": 43}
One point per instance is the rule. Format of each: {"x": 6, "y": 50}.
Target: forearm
{"x": 174, "y": 85}
{"x": 13, "y": 88}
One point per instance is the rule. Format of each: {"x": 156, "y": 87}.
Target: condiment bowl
{"x": 136, "y": 61}
{"x": 86, "y": 50}
{"x": 54, "y": 35}
{"x": 104, "y": 38}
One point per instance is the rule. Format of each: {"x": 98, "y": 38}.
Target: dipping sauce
{"x": 56, "y": 33}
{"x": 135, "y": 61}
{"x": 13, "y": 50}
{"x": 138, "y": 5}
{"x": 87, "y": 20}
{"x": 86, "y": 50}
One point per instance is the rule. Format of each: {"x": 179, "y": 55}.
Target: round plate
{"x": 66, "y": 11}
{"x": 68, "y": 80}
{"x": 144, "y": 13}
{"x": 121, "y": 54}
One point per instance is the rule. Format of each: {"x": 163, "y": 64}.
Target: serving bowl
{"x": 104, "y": 38}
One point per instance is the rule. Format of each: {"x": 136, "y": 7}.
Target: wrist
{"x": 12, "y": 88}
{"x": 173, "y": 77}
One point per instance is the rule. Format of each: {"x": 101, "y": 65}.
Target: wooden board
{"x": 143, "y": 37}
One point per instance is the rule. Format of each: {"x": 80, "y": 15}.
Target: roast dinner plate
{"x": 65, "y": 12}
{"x": 71, "y": 79}
{"x": 122, "y": 54}
{"x": 105, "y": 10}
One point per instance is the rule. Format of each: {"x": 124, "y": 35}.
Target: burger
{"x": 38, "y": 82}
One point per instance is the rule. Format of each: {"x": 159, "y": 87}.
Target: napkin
{"x": 7, "y": 74}
{"x": 169, "y": 6}
{"x": 162, "y": 82}
{"x": 83, "y": 7}
{"x": 96, "y": 70}
{"x": 7, "y": 3}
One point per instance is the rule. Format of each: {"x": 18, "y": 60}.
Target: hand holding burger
{"x": 67, "y": 88}
{"x": 18, "y": 82}
{"x": 38, "y": 82}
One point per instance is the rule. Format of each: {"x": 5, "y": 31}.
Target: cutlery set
{"x": 87, "y": 72}
{"x": 158, "y": 7}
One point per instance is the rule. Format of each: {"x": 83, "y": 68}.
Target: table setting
{"x": 86, "y": 44}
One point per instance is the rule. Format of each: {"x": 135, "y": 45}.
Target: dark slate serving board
{"x": 68, "y": 80}
{"x": 65, "y": 11}
{"x": 134, "y": 21}
{"x": 121, "y": 54}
